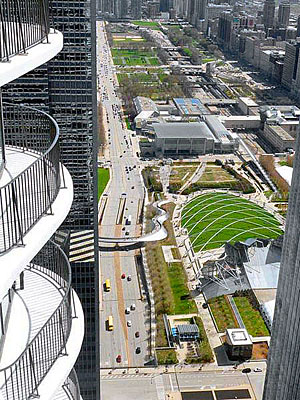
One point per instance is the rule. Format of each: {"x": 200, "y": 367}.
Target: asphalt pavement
{"x": 124, "y": 198}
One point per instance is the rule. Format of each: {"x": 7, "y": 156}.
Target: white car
{"x": 132, "y": 307}
{"x": 127, "y": 310}
{"x": 129, "y": 324}
{"x": 257, "y": 370}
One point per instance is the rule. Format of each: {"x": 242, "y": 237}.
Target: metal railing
{"x": 23, "y": 24}
{"x": 28, "y": 196}
{"x": 71, "y": 386}
{"x": 23, "y": 377}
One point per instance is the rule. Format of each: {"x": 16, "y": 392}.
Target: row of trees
{"x": 131, "y": 87}
{"x": 267, "y": 161}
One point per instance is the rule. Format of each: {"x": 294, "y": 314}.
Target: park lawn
{"x": 118, "y": 61}
{"x": 154, "y": 61}
{"x": 178, "y": 174}
{"x": 132, "y": 53}
{"x": 252, "y": 318}
{"x": 183, "y": 305}
{"x": 166, "y": 357}
{"x": 215, "y": 218}
{"x": 216, "y": 174}
{"x": 206, "y": 60}
{"x": 103, "y": 178}
{"x": 222, "y": 313}
{"x": 149, "y": 24}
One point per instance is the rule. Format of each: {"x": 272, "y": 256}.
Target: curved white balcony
{"x": 55, "y": 334}
{"x": 70, "y": 390}
{"x": 36, "y": 191}
{"x": 26, "y": 40}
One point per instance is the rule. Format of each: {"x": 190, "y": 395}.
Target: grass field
{"x": 214, "y": 173}
{"x": 183, "y": 305}
{"x": 212, "y": 219}
{"x": 149, "y": 24}
{"x": 103, "y": 178}
{"x": 252, "y": 319}
{"x": 222, "y": 313}
{"x": 134, "y": 57}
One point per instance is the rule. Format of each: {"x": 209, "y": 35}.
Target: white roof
{"x": 286, "y": 172}
{"x": 238, "y": 337}
{"x": 269, "y": 308}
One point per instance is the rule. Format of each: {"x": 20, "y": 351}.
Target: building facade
{"x": 73, "y": 103}
{"x": 42, "y": 321}
{"x": 282, "y": 379}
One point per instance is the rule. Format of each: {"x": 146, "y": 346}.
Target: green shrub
{"x": 166, "y": 357}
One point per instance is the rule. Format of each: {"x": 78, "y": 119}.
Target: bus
{"x": 110, "y": 323}
{"x": 107, "y": 285}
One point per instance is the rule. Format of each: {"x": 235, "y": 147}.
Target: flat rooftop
{"x": 190, "y": 106}
{"x": 238, "y": 337}
{"x": 184, "y": 130}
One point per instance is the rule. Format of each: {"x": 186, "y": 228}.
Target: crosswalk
{"x": 131, "y": 376}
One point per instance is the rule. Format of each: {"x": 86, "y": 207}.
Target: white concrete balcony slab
{"x": 35, "y": 56}
{"x": 36, "y": 191}
{"x": 56, "y": 330}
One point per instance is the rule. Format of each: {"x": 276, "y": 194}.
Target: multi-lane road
{"x": 122, "y": 200}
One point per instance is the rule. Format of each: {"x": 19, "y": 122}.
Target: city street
{"x": 124, "y": 196}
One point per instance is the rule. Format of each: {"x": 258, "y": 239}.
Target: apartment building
{"x": 42, "y": 320}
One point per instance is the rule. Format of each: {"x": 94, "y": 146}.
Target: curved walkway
{"x": 159, "y": 232}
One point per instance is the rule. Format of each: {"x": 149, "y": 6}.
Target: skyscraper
{"x": 283, "y": 378}
{"x": 73, "y": 102}
{"x": 268, "y": 13}
{"x": 291, "y": 64}
{"x": 284, "y": 14}
{"x": 136, "y": 9}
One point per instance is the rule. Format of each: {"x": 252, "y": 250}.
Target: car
{"x": 129, "y": 278}
{"x": 137, "y": 334}
{"x": 123, "y": 229}
{"x": 129, "y": 323}
{"x": 123, "y": 276}
{"x": 132, "y": 307}
{"x": 119, "y": 358}
{"x": 138, "y": 350}
{"x": 246, "y": 370}
{"x": 257, "y": 369}
{"x": 127, "y": 233}
{"x": 127, "y": 310}
{"x": 204, "y": 305}
{"x": 132, "y": 187}
{"x": 121, "y": 156}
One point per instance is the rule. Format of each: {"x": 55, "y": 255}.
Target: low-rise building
{"x": 238, "y": 344}
{"x": 278, "y": 137}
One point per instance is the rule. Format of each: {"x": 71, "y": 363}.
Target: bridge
{"x": 158, "y": 233}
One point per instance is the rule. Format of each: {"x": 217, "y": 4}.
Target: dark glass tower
{"x": 73, "y": 102}
{"x": 283, "y": 378}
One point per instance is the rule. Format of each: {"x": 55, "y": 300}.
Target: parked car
{"x": 129, "y": 323}
{"x": 246, "y": 370}
{"x": 119, "y": 358}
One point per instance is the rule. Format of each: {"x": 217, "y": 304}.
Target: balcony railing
{"x": 29, "y": 196}
{"x": 71, "y": 386}
{"x": 23, "y": 377}
{"x": 23, "y": 24}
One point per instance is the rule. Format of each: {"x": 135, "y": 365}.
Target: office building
{"x": 291, "y": 62}
{"x": 238, "y": 344}
{"x": 136, "y": 9}
{"x": 268, "y": 14}
{"x": 284, "y": 14}
{"x": 42, "y": 321}
{"x": 73, "y": 103}
{"x": 282, "y": 378}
